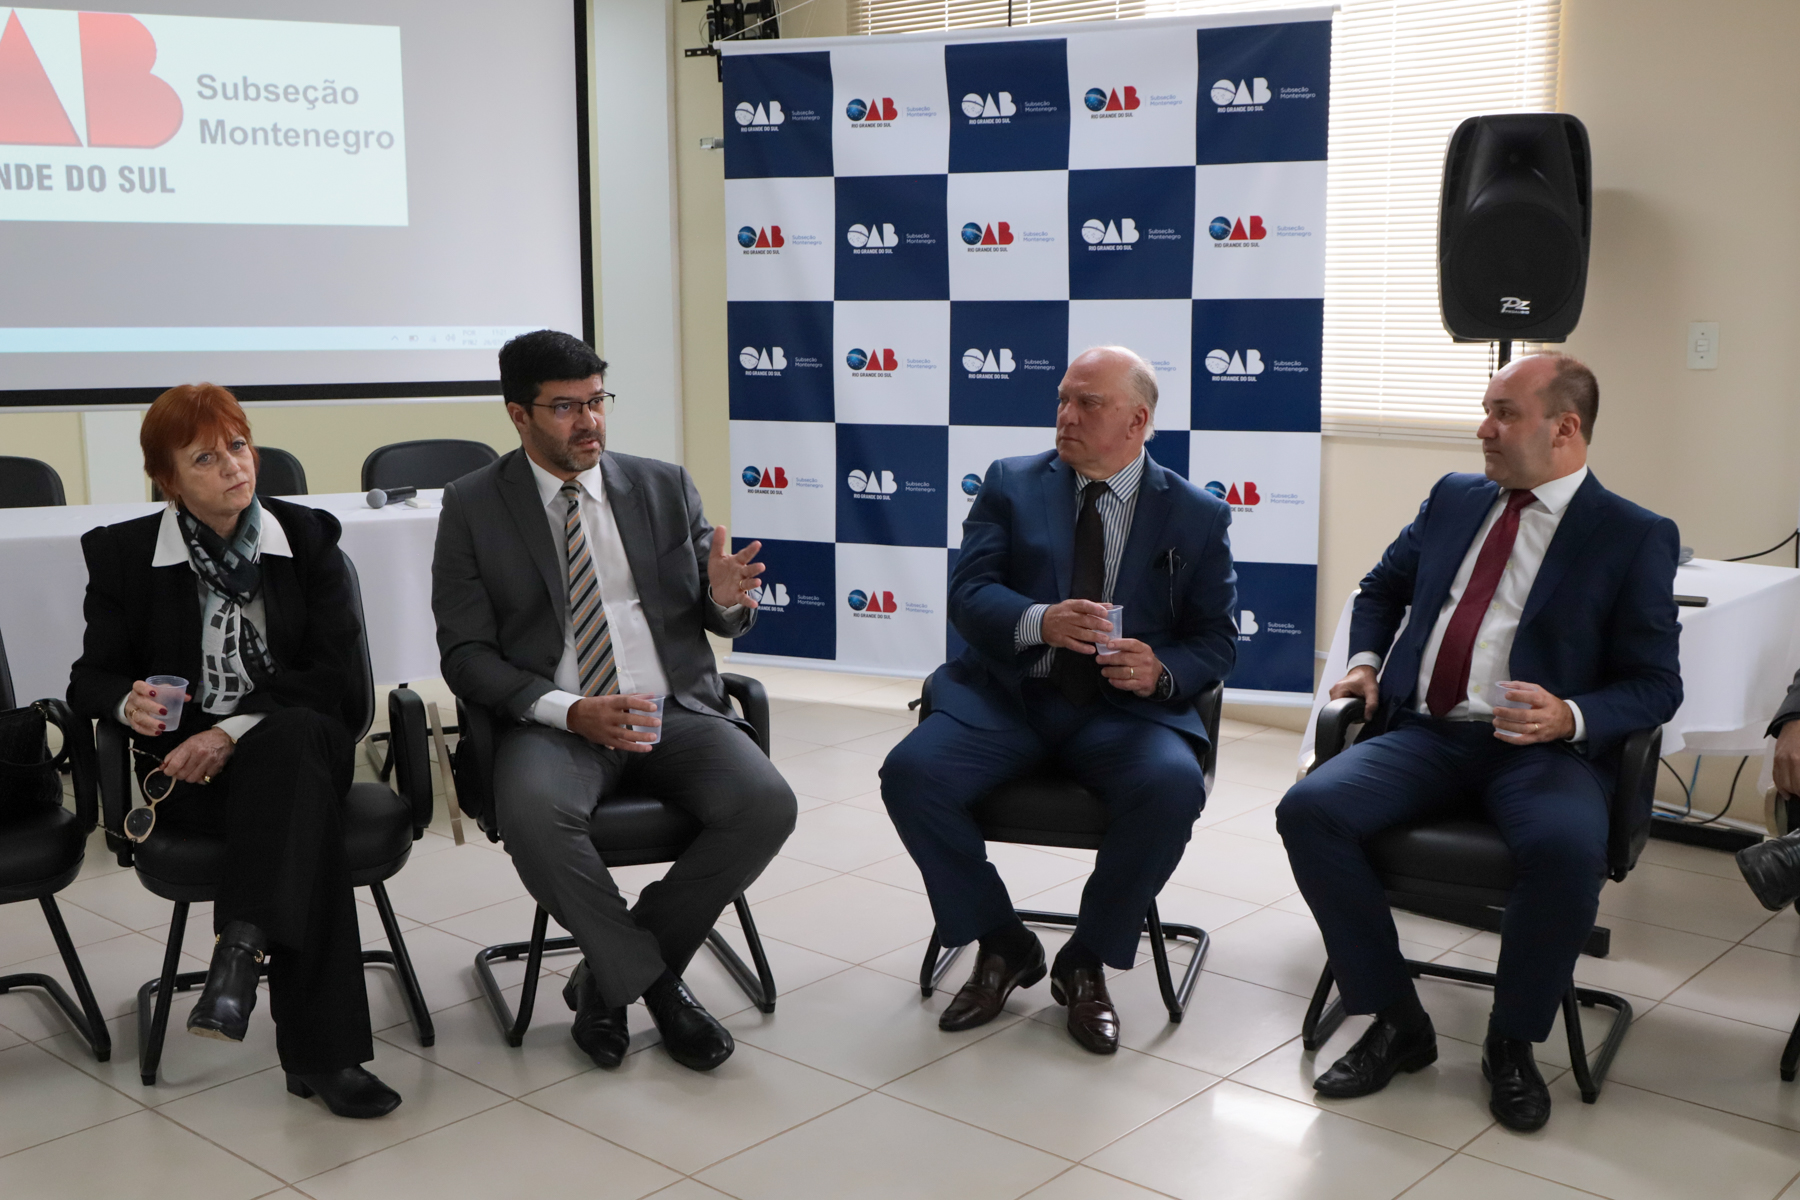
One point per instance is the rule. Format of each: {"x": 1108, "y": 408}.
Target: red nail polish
{"x": 162, "y": 712}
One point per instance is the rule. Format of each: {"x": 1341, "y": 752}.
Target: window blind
{"x": 1404, "y": 73}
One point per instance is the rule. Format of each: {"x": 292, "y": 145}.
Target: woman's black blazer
{"x": 144, "y": 621}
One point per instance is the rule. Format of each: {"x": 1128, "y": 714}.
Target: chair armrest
{"x": 78, "y": 748}
{"x": 1209, "y": 705}
{"x": 112, "y": 761}
{"x": 1628, "y": 824}
{"x": 472, "y": 766}
{"x": 923, "y": 703}
{"x": 1333, "y": 733}
{"x": 754, "y": 701}
{"x": 409, "y": 740}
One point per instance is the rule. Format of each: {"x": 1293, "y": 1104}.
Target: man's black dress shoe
{"x": 1384, "y": 1050}
{"x": 223, "y": 1010}
{"x": 1772, "y": 869}
{"x": 990, "y": 983}
{"x": 1093, "y": 1022}
{"x": 347, "y": 1091}
{"x": 601, "y": 1031}
{"x": 692, "y": 1036}
{"x": 1520, "y": 1099}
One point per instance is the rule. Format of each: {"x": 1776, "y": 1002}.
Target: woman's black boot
{"x": 223, "y": 1010}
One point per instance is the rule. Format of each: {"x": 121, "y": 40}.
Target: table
{"x": 1738, "y": 656}
{"x": 43, "y": 579}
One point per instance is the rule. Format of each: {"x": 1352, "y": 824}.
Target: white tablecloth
{"x": 43, "y": 578}
{"x": 1738, "y": 655}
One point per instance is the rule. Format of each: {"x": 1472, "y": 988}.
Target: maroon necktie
{"x": 1450, "y": 675}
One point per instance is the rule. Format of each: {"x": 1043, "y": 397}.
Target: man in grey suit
{"x": 574, "y": 587}
{"x": 1772, "y": 868}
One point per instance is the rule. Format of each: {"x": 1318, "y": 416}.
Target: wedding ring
{"x": 1133, "y": 671}
{"x": 208, "y": 778}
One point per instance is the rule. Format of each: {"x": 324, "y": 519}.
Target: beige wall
{"x": 53, "y": 437}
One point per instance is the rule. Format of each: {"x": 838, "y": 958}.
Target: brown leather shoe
{"x": 990, "y": 983}
{"x": 1093, "y": 1022}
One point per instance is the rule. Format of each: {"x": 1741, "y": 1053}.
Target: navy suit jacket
{"x": 1175, "y": 580}
{"x": 1599, "y": 624}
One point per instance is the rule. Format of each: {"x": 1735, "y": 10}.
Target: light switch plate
{"x": 1703, "y": 345}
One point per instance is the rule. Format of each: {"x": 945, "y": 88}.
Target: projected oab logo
{"x": 200, "y": 120}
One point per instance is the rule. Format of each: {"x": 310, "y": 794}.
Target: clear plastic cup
{"x": 655, "y": 731}
{"x": 169, "y": 692}
{"x": 1115, "y": 613}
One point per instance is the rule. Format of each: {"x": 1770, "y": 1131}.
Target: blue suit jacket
{"x": 1599, "y": 624}
{"x": 1175, "y": 580}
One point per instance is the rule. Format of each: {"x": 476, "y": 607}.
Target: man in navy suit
{"x": 1051, "y": 539}
{"x": 1542, "y": 635}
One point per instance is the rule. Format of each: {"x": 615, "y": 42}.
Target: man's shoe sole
{"x": 1418, "y": 1060}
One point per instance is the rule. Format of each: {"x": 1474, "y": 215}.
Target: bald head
{"x": 1106, "y": 408}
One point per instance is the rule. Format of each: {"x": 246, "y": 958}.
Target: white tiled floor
{"x": 850, "y": 1090}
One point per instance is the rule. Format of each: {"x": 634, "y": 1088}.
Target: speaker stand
{"x": 1502, "y": 354}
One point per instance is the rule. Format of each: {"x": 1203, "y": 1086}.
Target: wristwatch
{"x": 1165, "y": 686}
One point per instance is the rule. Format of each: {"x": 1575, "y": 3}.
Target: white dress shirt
{"x": 633, "y": 647}
{"x": 172, "y": 550}
{"x": 1490, "y": 660}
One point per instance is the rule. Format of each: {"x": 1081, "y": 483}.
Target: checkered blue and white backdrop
{"x": 923, "y": 229}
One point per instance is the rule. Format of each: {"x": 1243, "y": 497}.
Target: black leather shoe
{"x": 223, "y": 1010}
{"x": 1093, "y": 1021}
{"x": 988, "y": 986}
{"x": 602, "y": 1032}
{"x": 1384, "y": 1050}
{"x": 692, "y": 1036}
{"x": 1520, "y": 1099}
{"x": 1772, "y": 869}
{"x": 347, "y": 1091}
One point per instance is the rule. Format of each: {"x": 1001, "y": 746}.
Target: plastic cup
{"x": 1115, "y": 613}
{"x": 169, "y": 692}
{"x": 655, "y": 731}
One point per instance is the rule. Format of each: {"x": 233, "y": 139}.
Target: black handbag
{"x": 28, "y": 771}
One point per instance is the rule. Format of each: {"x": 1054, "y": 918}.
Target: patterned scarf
{"x": 231, "y": 650}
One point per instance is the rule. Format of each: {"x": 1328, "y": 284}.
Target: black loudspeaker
{"x": 1513, "y": 228}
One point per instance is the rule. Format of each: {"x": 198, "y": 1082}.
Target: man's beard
{"x": 564, "y": 455}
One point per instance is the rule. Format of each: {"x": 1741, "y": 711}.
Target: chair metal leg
{"x": 1790, "y": 1056}
{"x": 1323, "y": 1015}
{"x": 513, "y": 1027}
{"x": 153, "y": 1025}
{"x": 758, "y": 986}
{"x": 1175, "y": 999}
{"x": 89, "y": 1022}
{"x": 398, "y": 958}
{"x": 1590, "y": 1077}
{"x": 938, "y": 961}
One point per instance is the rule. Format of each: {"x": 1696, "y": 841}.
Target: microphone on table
{"x": 382, "y": 497}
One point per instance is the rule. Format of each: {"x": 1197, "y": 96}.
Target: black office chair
{"x": 379, "y": 831}
{"x": 628, "y": 831}
{"x": 29, "y": 483}
{"x": 1456, "y": 868}
{"x": 1048, "y": 808}
{"x": 41, "y": 849}
{"x": 427, "y": 463}
{"x": 278, "y": 473}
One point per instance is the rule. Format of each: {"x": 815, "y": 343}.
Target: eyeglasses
{"x": 562, "y": 410}
{"x": 139, "y": 822}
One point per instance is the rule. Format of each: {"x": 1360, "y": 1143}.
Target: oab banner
{"x": 199, "y": 120}
{"x": 923, "y": 230}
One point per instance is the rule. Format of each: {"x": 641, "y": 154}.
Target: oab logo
{"x": 1118, "y": 234}
{"x": 872, "y": 238}
{"x": 996, "y": 234}
{"x": 871, "y": 603}
{"x": 872, "y": 362}
{"x": 1242, "y": 96}
{"x": 760, "y": 116}
{"x": 991, "y": 109}
{"x": 126, "y": 106}
{"x": 765, "y": 479}
{"x": 870, "y": 112}
{"x": 1237, "y": 229}
{"x": 1112, "y": 102}
{"x": 971, "y": 486}
{"x": 1246, "y": 625}
{"x": 1235, "y": 366}
{"x": 873, "y": 485}
{"x": 751, "y": 237}
{"x": 770, "y": 596}
{"x": 1241, "y": 496}
{"x": 761, "y": 360}
{"x": 993, "y": 363}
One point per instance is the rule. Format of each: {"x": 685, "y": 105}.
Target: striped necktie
{"x": 587, "y": 615}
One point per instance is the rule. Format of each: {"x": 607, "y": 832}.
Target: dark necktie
{"x": 1450, "y": 675}
{"x": 1077, "y": 676}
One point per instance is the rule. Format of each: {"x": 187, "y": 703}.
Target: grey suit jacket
{"x": 498, "y": 585}
{"x": 1790, "y": 708}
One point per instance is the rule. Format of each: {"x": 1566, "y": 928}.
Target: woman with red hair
{"x": 248, "y": 599}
